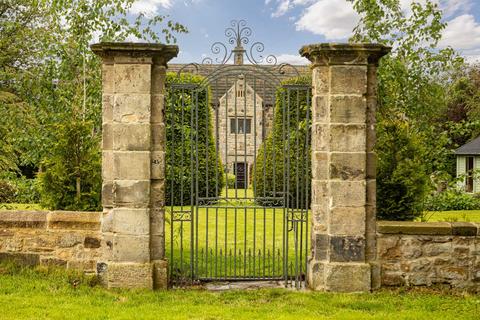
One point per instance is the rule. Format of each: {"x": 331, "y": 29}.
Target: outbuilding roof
{"x": 470, "y": 148}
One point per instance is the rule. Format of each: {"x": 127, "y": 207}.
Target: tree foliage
{"x": 47, "y": 64}
{"x": 412, "y": 99}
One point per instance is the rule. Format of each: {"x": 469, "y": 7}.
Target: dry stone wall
{"x": 429, "y": 254}
{"x": 61, "y": 238}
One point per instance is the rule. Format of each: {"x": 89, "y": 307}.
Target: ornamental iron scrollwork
{"x": 238, "y": 35}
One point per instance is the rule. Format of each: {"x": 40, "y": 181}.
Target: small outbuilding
{"x": 468, "y": 161}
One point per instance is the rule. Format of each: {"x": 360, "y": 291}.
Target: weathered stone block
{"x": 158, "y": 165}
{"x": 320, "y": 247}
{"x": 131, "y": 193}
{"x": 92, "y": 243}
{"x": 23, "y": 259}
{"x": 347, "y": 166}
{"x": 157, "y": 193}
{"x": 464, "y": 229}
{"x": 76, "y": 220}
{"x": 347, "y": 277}
{"x": 320, "y": 165}
{"x": 157, "y": 221}
{"x": 347, "y": 248}
{"x": 320, "y": 80}
{"x": 132, "y": 108}
{"x": 371, "y": 165}
{"x": 108, "y": 77}
{"x": 320, "y": 109}
{"x": 319, "y": 217}
{"x": 131, "y": 137}
{"x": 347, "y": 221}
{"x": 132, "y": 78}
{"x": 70, "y": 240}
{"x": 414, "y": 228}
{"x": 348, "y": 193}
{"x": 158, "y": 137}
{"x": 130, "y": 275}
{"x": 107, "y": 107}
{"x": 316, "y": 275}
{"x": 107, "y": 165}
{"x": 107, "y": 136}
{"x": 130, "y": 248}
{"x": 348, "y": 138}
{"x": 320, "y": 192}
{"x": 131, "y": 221}
{"x": 157, "y": 247}
{"x": 159, "y": 72}
{"x": 23, "y": 219}
{"x": 372, "y": 193}
{"x": 348, "y": 80}
{"x": 107, "y": 194}
{"x": 52, "y": 261}
{"x": 320, "y": 137}
{"x": 348, "y": 109}
{"x": 158, "y": 108}
{"x": 131, "y": 165}
{"x": 160, "y": 274}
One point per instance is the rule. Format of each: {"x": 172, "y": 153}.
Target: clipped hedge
{"x": 184, "y": 127}
{"x": 286, "y": 151}
{"x": 452, "y": 200}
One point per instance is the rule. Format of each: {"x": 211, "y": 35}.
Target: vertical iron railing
{"x": 217, "y": 232}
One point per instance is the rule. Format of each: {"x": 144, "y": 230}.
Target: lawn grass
{"x": 48, "y": 294}
{"x": 453, "y": 216}
{"x": 20, "y": 206}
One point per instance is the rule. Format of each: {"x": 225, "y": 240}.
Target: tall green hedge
{"x": 283, "y": 161}
{"x": 188, "y": 129}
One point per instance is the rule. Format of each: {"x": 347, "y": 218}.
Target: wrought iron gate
{"x": 238, "y": 171}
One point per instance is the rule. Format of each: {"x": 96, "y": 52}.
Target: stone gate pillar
{"x": 343, "y": 165}
{"x": 133, "y": 163}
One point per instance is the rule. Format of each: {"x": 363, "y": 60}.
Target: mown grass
{"x": 20, "y": 206}
{"x": 49, "y": 294}
{"x": 453, "y": 216}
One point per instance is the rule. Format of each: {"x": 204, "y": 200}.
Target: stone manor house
{"x": 242, "y": 105}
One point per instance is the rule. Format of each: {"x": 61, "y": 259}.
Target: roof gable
{"x": 470, "y": 148}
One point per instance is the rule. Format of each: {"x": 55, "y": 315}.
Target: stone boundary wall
{"x": 63, "y": 238}
{"x": 429, "y": 254}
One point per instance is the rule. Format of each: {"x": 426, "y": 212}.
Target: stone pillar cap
{"x": 134, "y": 49}
{"x": 339, "y": 53}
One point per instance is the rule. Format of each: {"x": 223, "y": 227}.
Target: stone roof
{"x": 263, "y": 78}
{"x": 470, "y": 148}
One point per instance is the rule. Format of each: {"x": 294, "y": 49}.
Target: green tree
{"x": 413, "y": 82}
{"x": 60, "y": 80}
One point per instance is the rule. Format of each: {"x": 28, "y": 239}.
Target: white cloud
{"x": 150, "y": 7}
{"x": 462, "y": 32}
{"x": 292, "y": 59}
{"x": 331, "y": 18}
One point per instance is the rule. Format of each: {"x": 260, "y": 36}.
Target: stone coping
{"x": 321, "y": 54}
{"x": 429, "y": 228}
{"x": 78, "y": 220}
{"x": 165, "y": 51}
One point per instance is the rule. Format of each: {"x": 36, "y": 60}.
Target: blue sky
{"x": 285, "y": 25}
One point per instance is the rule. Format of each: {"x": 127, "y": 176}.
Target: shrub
{"x": 27, "y": 190}
{"x": 231, "y": 180}
{"x": 185, "y": 142}
{"x": 452, "y": 199}
{"x": 71, "y": 178}
{"x": 7, "y": 192}
{"x": 283, "y": 160}
{"x": 402, "y": 181}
